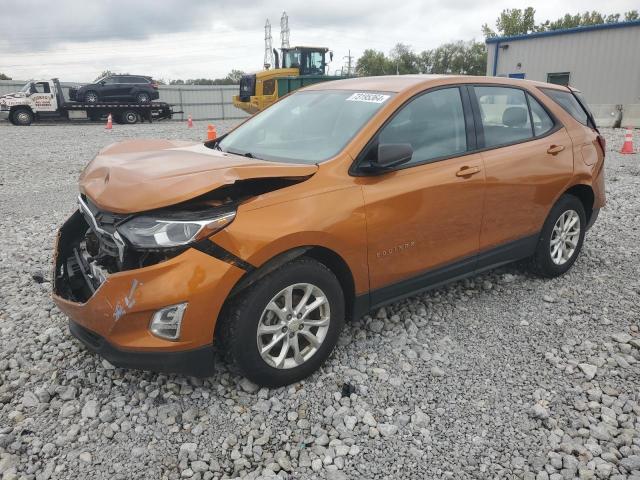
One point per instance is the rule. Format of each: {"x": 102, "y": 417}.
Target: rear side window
{"x": 504, "y": 114}
{"x": 569, "y": 103}
{"x": 432, "y": 123}
{"x": 542, "y": 122}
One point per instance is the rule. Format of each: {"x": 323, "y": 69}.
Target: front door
{"x": 423, "y": 220}
{"x": 43, "y": 99}
{"x": 526, "y": 165}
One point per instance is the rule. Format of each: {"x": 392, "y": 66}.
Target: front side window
{"x": 291, "y": 59}
{"x": 42, "y": 87}
{"x": 504, "y": 114}
{"x": 110, "y": 80}
{"x": 315, "y": 63}
{"x": 432, "y": 123}
{"x": 567, "y": 101}
{"x": 306, "y": 127}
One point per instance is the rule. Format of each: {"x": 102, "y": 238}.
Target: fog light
{"x": 166, "y": 321}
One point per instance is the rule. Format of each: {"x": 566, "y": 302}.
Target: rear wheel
{"x": 143, "y": 97}
{"x": 129, "y": 117}
{"x": 561, "y": 238}
{"x": 91, "y": 97}
{"x": 22, "y": 116}
{"x": 282, "y": 328}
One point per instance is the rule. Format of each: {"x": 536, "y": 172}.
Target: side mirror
{"x": 103, "y": 82}
{"x": 393, "y": 154}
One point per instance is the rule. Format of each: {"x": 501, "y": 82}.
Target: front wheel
{"x": 561, "y": 238}
{"x": 143, "y": 97}
{"x": 91, "y": 97}
{"x": 22, "y": 117}
{"x": 282, "y": 328}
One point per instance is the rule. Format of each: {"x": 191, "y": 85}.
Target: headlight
{"x": 175, "y": 229}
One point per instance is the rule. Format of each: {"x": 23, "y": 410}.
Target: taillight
{"x": 602, "y": 142}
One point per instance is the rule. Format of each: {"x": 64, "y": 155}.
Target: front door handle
{"x": 555, "y": 149}
{"x": 467, "y": 171}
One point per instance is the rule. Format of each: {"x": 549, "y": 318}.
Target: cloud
{"x": 30, "y": 25}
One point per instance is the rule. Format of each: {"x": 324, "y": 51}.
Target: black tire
{"x": 129, "y": 117}
{"x": 22, "y": 117}
{"x": 91, "y": 97}
{"x": 238, "y": 325}
{"x": 542, "y": 262}
{"x": 143, "y": 97}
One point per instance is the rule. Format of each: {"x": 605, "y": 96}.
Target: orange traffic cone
{"x": 109, "y": 125}
{"x": 627, "y": 146}
{"x": 211, "y": 132}
{"x": 189, "y": 122}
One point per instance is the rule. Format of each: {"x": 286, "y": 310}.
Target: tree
{"x": 403, "y": 60}
{"x": 512, "y": 21}
{"x": 373, "y": 63}
{"x": 235, "y": 75}
{"x": 456, "y": 58}
{"x": 4, "y": 77}
{"x": 631, "y": 15}
{"x": 519, "y": 22}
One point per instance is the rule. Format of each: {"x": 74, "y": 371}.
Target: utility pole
{"x": 348, "y": 58}
{"x": 284, "y": 30}
{"x": 268, "y": 47}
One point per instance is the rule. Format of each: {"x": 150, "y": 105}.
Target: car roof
{"x": 400, "y": 83}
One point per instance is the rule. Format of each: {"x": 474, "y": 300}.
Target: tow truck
{"x": 40, "y": 100}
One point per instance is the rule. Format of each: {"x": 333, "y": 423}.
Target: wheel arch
{"x": 328, "y": 257}
{"x": 22, "y": 107}
{"x": 585, "y": 194}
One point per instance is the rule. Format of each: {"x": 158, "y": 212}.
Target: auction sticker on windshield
{"x": 368, "y": 97}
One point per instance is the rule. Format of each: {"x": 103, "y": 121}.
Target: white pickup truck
{"x": 44, "y": 99}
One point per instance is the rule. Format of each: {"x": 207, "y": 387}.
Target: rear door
{"x": 423, "y": 219}
{"x": 126, "y": 85}
{"x": 528, "y": 160}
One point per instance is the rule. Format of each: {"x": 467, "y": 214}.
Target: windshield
{"x": 306, "y": 127}
{"x": 27, "y": 87}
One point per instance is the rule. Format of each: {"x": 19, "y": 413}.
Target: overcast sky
{"x": 169, "y": 39}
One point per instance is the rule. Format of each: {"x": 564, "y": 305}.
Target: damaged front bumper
{"x": 111, "y": 313}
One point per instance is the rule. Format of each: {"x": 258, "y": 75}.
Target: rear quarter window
{"x": 569, "y": 103}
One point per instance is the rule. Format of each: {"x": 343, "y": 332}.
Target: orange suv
{"x": 337, "y": 199}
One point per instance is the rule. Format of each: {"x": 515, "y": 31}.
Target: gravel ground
{"x": 503, "y": 375}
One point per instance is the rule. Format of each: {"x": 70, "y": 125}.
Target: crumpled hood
{"x": 140, "y": 175}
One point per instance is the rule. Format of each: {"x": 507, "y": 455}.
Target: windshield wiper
{"x": 245, "y": 154}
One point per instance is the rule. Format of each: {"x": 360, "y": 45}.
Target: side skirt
{"x": 487, "y": 260}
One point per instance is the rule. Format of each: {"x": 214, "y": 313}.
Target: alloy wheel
{"x": 91, "y": 97}
{"x": 293, "y": 326}
{"x": 565, "y": 237}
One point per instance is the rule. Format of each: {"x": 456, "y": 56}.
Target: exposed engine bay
{"x": 90, "y": 247}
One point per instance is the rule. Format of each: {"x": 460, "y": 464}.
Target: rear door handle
{"x": 467, "y": 171}
{"x": 555, "y": 149}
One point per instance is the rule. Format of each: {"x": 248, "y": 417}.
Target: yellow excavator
{"x": 301, "y": 66}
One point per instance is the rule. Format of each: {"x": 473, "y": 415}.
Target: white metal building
{"x": 603, "y": 61}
